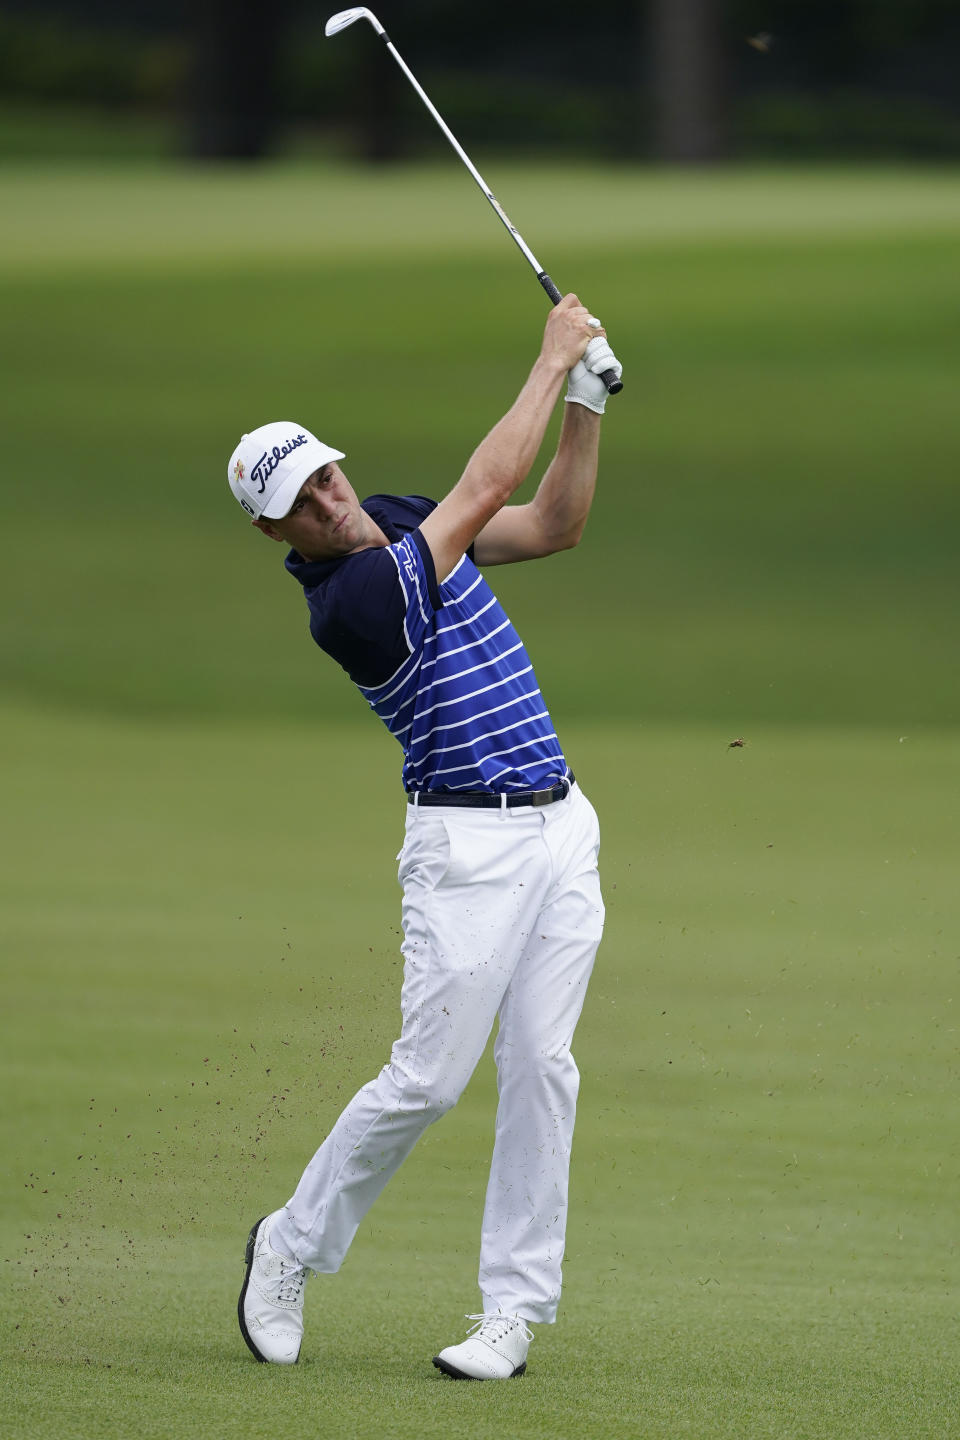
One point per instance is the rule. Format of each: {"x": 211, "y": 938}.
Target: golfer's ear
{"x": 266, "y": 528}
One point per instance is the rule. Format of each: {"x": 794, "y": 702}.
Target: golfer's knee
{"x": 435, "y": 1097}
{"x": 427, "y": 1094}
{"x": 538, "y": 1070}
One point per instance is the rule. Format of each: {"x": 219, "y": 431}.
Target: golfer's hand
{"x": 568, "y": 332}
{"x": 584, "y": 386}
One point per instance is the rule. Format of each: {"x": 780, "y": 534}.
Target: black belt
{"x": 480, "y": 800}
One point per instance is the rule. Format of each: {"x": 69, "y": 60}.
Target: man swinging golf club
{"x": 502, "y": 911}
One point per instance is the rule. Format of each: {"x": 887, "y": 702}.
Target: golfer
{"x": 502, "y": 912}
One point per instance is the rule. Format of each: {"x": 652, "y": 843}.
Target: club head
{"x": 343, "y": 18}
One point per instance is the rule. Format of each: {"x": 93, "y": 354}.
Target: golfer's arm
{"x": 556, "y": 517}
{"x": 497, "y": 468}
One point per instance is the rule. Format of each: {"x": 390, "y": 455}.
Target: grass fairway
{"x": 763, "y": 1235}
{"x": 202, "y": 957}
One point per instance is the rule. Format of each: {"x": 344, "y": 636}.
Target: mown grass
{"x": 762, "y": 1237}
{"x": 773, "y": 538}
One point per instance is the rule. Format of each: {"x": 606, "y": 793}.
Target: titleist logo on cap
{"x": 269, "y": 460}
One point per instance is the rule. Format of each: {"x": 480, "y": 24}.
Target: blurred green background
{"x": 199, "y": 919}
{"x": 776, "y": 534}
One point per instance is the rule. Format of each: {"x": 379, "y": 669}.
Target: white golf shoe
{"x": 495, "y": 1349}
{"x": 270, "y": 1308}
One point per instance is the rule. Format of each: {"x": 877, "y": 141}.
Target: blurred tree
{"x": 232, "y": 98}
{"x": 380, "y": 93}
{"x": 687, "y": 79}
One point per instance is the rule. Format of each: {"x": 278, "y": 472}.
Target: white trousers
{"x": 502, "y": 916}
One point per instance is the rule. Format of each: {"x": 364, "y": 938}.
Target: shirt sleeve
{"x": 422, "y": 507}
{"x": 418, "y": 582}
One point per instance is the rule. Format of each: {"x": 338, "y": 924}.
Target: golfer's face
{"x": 325, "y": 521}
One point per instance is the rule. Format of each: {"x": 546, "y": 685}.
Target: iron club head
{"x": 343, "y": 18}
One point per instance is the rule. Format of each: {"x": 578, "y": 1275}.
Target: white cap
{"x": 270, "y": 464}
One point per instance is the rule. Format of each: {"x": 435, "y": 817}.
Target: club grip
{"x": 609, "y": 377}
{"x": 551, "y": 289}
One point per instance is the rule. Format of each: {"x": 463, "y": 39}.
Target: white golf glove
{"x": 584, "y": 386}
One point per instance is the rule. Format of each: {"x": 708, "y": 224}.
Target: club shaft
{"x": 504, "y": 217}
{"x": 610, "y": 377}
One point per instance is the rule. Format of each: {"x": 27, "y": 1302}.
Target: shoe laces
{"x": 291, "y": 1282}
{"x": 496, "y": 1327}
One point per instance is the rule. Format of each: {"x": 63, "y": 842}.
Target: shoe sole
{"x": 248, "y": 1260}
{"x": 456, "y": 1374}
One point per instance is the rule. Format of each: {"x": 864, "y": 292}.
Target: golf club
{"x": 339, "y": 22}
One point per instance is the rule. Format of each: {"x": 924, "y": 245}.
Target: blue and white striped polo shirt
{"x": 441, "y": 665}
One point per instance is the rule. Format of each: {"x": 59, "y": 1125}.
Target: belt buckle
{"x": 541, "y": 797}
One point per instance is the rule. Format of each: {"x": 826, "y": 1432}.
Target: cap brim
{"x": 314, "y": 458}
